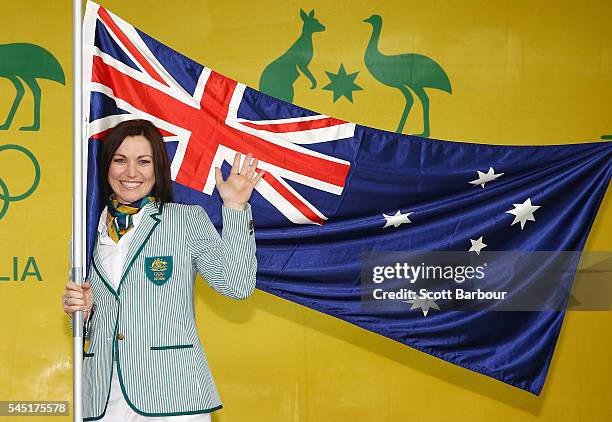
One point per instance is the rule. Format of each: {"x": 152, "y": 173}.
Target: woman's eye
{"x": 118, "y": 160}
{"x": 144, "y": 162}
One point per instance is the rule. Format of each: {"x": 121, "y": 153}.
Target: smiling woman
{"x": 141, "y": 365}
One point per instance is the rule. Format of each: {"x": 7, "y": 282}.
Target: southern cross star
{"x": 423, "y": 304}
{"x": 397, "y": 219}
{"x": 523, "y": 212}
{"x": 485, "y": 177}
{"x": 477, "y": 245}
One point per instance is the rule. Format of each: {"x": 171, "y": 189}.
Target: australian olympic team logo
{"x": 158, "y": 269}
{"x": 24, "y": 64}
{"x": 6, "y": 196}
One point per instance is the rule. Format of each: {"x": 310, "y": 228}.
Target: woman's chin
{"x": 128, "y": 197}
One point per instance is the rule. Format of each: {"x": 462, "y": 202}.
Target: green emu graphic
{"x": 278, "y": 77}
{"x": 405, "y": 71}
{"x": 27, "y": 62}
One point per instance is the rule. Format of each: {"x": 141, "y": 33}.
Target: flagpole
{"x": 77, "y": 207}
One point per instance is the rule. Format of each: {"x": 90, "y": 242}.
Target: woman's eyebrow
{"x": 125, "y": 156}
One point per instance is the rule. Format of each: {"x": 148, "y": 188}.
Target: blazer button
{"x": 120, "y": 336}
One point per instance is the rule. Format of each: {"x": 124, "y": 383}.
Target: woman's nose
{"x": 131, "y": 170}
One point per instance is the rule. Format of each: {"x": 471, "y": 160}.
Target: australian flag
{"x": 334, "y": 191}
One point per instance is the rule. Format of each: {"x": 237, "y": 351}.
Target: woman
{"x": 145, "y": 360}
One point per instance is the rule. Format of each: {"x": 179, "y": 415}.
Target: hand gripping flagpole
{"x": 78, "y": 232}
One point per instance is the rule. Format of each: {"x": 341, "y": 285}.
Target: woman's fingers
{"x": 254, "y": 174}
{"x": 252, "y": 168}
{"x": 72, "y": 286}
{"x": 218, "y": 176}
{"x": 72, "y": 305}
{"x": 248, "y": 167}
{"x": 75, "y": 301}
{"x": 236, "y": 163}
{"x": 258, "y": 177}
{"x": 246, "y": 164}
{"x": 74, "y": 295}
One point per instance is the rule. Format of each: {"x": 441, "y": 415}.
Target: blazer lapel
{"x": 99, "y": 269}
{"x": 143, "y": 233}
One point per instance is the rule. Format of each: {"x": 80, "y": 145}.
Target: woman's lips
{"x": 130, "y": 185}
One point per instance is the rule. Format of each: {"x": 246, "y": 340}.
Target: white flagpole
{"x": 77, "y": 207}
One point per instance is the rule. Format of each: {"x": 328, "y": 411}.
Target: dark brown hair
{"x": 162, "y": 190}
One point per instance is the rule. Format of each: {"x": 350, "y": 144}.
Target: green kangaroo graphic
{"x": 27, "y": 62}
{"x": 278, "y": 77}
{"x": 405, "y": 70}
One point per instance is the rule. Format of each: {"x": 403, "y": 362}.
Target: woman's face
{"x": 131, "y": 174}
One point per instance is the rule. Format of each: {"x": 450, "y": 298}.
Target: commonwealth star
{"x": 342, "y": 84}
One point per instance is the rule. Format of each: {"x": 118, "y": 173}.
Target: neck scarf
{"x": 119, "y": 218}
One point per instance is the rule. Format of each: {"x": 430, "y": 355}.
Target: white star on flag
{"x": 523, "y": 212}
{"x": 485, "y": 177}
{"x": 423, "y": 304}
{"x": 477, "y": 245}
{"x": 396, "y": 220}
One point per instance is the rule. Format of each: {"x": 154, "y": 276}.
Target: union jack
{"x": 205, "y": 121}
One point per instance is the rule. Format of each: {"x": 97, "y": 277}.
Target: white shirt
{"x": 112, "y": 256}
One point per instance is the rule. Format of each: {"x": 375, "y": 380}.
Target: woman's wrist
{"x": 235, "y": 205}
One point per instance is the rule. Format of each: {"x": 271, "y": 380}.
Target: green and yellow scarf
{"x": 119, "y": 217}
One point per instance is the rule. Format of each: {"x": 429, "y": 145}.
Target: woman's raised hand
{"x": 77, "y": 298}
{"x": 237, "y": 189}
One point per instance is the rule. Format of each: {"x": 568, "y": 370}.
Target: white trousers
{"x": 119, "y": 411}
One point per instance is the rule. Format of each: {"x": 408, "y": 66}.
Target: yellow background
{"x": 523, "y": 72}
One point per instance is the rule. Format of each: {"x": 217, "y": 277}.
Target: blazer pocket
{"x": 172, "y": 347}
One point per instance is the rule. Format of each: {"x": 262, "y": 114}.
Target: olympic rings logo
{"x": 5, "y": 195}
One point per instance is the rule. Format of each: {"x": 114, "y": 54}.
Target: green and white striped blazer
{"x": 148, "y": 322}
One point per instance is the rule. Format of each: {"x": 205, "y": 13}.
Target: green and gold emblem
{"x": 158, "y": 269}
